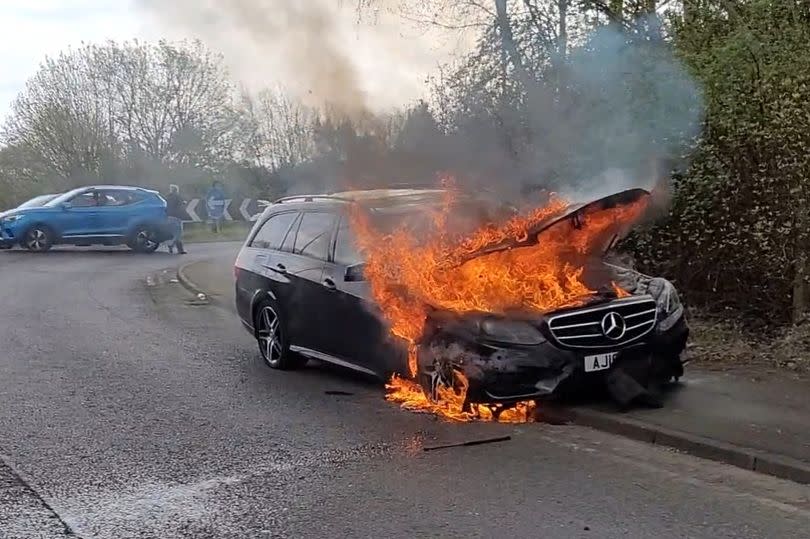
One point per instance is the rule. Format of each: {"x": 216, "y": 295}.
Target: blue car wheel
{"x": 144, "y": 240}
{"x": 38, "y": 238}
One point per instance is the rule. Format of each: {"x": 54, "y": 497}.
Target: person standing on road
{"x": 215, "y": 202}
{"x": 174, "y": 209}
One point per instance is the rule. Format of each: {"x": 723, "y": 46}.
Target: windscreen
{"x": 466, "y": 215}
{"x": 36, "y": 202}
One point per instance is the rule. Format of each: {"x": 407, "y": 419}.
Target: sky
{"x": 32, "y": 29}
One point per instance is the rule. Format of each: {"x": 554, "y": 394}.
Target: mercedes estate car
{"x": 94, "y": 215}
{"x": 301, "y": 294}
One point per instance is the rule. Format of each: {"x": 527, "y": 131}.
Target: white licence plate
{"x": 599, "y": 362}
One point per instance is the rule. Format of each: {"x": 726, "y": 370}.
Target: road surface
{"x": 127, "y": 410}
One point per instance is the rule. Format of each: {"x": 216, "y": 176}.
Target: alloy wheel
{"x": 37, "y": 240}
{"x": 145, "y": 240}
{"x": 269, "y": 336}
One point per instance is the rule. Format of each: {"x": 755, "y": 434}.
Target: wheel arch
{"x": 258, "y": 297}
{"x": 56, "y": 236}
{"x": 134, "y": 226}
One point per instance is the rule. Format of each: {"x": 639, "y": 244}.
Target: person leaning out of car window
{"x": 174, "y": 208}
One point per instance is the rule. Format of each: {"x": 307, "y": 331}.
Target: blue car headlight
{"x": 510, "y": 331}
{"x": 11, "y": 219}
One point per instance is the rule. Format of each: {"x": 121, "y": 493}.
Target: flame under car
{"x": 410, "y": 282}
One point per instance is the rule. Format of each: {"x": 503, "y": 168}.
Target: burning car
{"x": 477, "y": 309}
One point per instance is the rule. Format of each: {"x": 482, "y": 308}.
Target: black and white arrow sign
{"x": 243, "y": 210}
{"x": 191, "y": 209}
{"x": 196, "y": 210}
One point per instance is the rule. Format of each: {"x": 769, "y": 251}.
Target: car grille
{"x": 586, "y": 328}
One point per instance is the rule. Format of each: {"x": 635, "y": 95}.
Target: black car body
{"x": 301, "y": 293}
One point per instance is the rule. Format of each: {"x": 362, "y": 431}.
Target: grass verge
{"x": 202, "y": 233}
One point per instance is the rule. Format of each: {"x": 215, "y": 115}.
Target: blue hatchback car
{"x": 95, "y": 215}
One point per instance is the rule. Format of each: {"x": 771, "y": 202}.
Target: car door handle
{"x": 329, "y": 284}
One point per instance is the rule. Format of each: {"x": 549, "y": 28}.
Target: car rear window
{"x": 314, "y": 234}
{"x": 273, "y": 231}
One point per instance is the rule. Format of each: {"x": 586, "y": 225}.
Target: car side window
{"x": 84, "y": 200}
{"x": 289, "y": 240}
{"x": 346, "y": 251}
{"x": 314, "y": 234}
{"x": 273, "y": 231}
{"x": 117, "y": 198}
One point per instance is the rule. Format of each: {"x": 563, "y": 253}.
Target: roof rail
{"x": 310, "y": 198}
{"x": 404, "y": 185}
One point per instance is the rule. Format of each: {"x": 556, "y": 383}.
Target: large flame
{"x": 451, "y": 401}
{"x": 410, "y": 273}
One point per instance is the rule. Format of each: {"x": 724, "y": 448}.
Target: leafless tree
{"x": 101, "y": 109}
{"x": 279, "y": 130}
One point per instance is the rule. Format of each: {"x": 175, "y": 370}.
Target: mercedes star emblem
{"x": 613, "y": 326}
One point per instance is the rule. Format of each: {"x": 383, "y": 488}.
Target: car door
{"x": 304, "y": 266}
{"x": 78, "y": 218}
{"x": 115, "y": 211}
{"x": 357, "y": 333}
{"x": 264, "y": 262}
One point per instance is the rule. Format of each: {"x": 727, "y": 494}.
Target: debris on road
{"x": 479, "y": 441}
{"x": 338, "y": 392}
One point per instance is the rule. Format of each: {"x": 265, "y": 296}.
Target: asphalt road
{"x": 128, "y": 411}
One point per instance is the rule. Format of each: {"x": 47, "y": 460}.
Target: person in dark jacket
{"x": 175, "y": 210}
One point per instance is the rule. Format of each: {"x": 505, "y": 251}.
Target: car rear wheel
{"x": 38, "y": 239}
{"x": 272, "y": 338}
{"x": 144, "y": 240}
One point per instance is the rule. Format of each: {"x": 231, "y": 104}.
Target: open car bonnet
{"x": 576, "y": 214}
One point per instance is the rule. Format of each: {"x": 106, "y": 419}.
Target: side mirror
{"x": 355, "y": 273}
{"x": 66, "y": 205}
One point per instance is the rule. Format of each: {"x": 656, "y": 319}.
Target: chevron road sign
{"x": 246, "y": 209}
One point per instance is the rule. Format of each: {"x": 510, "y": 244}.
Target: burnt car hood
{"x": 572, "y": 211}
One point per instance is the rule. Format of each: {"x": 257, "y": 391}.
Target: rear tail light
{"x": 236, "y": 272}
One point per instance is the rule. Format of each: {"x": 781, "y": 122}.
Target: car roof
{"x": 86, "y": 188}
{"x": 369, "y": 197}
{"x": 119, "y": 188}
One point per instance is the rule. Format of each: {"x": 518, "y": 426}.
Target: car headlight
{"x": 511, "y": 332}
{"x": 11, "y": 218}
{"x": 668, "y": 303}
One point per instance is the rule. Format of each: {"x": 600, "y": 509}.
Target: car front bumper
{"x": 545, "y": 371}
{"x": 8, "y": 237}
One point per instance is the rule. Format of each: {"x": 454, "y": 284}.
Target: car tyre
{"x": 38, "y": 238}
{"x": 442, "y": 376}
{"x": 271, "y": 337}
{"x": 144, "y": 240}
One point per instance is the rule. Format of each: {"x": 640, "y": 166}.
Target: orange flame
{"x": 409, "y": 274}
{"x": 620, "y": 292}
{"x": 410, "y": 396}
